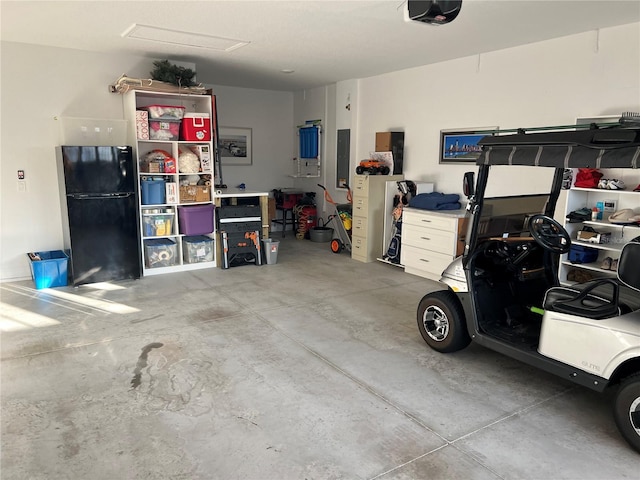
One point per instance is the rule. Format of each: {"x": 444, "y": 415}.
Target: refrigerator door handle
{"x": 105, "y": 196}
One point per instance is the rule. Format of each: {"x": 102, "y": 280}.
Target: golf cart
{"x": 505, "y": 293}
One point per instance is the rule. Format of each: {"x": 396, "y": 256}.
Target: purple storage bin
{"x": 195, "y": 219}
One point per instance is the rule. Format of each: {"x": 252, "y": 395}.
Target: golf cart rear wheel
{"x": 441, "y": 322}
{"x": 336, "y": 245}
{"x": 626, "y": 410}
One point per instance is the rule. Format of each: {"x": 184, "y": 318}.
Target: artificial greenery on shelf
{"x": 166, "y": 72}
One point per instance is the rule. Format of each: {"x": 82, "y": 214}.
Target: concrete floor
{"x": 312, "y": 368}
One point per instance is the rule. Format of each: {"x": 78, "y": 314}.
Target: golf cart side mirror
{"x": 468, "y": 184}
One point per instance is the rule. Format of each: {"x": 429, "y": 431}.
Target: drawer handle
{"x": 426, "y": 221}
{"x": 424, "y": 260}
{"x": 425, "y": 238}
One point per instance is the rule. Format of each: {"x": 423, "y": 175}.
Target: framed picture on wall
{"x": 461, "y": 146}
{"x": 235, "y": 146}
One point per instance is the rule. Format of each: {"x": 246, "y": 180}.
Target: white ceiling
{"x": 323, "y": 41}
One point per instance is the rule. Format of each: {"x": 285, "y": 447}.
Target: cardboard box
{"x": 594, "y": 237}
{"x": 204, "y": 154}
{"x": 195, "y": 193}
{"x": 142, "y": 124}
{"x": 392, "y": 142}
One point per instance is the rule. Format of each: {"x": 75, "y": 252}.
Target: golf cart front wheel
{"x": 626, "y": 410}
{"x": 441, "y": 322}
{"x": 336, "y": 245}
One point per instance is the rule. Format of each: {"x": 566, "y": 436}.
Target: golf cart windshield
{"x": 509, "y": 216}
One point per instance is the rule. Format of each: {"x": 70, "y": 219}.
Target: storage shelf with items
{"x": 173, "y": 143}
{"x": 596, "y": 243}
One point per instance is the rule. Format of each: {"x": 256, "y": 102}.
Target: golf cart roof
{"x": 613, "y": 146}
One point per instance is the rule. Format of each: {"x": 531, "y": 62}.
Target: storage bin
{"x": 196, "y": 127}
{"x": 49, "y": 269}
{"x": 165, "y": 112}
{"x": 196, "y": 219}
{"x": 160, "y": 252}
{"x": 164, "y": 129}
{"x": 580, "y": 254}
{"x": 197, "y": 249}
{"x": 157, "y": 224}
{"x": 153, "y": 191}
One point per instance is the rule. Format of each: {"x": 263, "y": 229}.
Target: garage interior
{"x": 313, "y": 367}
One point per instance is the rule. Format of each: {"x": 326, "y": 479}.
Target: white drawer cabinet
{"x": 430, "y": 240}
{"x": 367, "y": 234}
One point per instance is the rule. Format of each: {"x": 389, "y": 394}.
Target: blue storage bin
{"x": 49, "y": 269}
{"x": 581, "y": 254}
{"x": 153, "y": 191}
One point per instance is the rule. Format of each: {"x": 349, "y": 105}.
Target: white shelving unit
{"x": 620, "y": 234}
{"x": 167, "y": 214}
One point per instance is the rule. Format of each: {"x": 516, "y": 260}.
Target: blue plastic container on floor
{"x": 153, "y": 191}
{"x": 50, "y": 270}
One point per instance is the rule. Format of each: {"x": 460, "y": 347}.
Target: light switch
{"x": 22, "y": 186}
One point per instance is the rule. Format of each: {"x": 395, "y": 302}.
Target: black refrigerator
{"x": 99, "y": 200}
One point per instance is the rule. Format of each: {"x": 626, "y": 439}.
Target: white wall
{"x": 270, "y": 116}
{"x": 41, "y": 83}
{"x": 546, "y": 83}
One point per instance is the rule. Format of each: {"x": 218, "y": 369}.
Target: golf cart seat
{"x": 602, "y": 298}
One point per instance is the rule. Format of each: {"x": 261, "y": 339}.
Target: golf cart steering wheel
{"x": 549, "y": 234}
